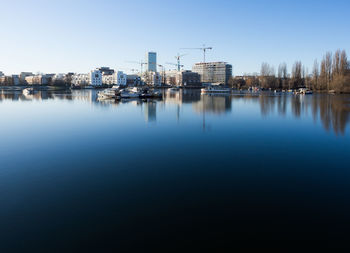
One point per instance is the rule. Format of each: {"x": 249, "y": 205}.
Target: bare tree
{"x": 328, "y": 67}
{"x": 315, "y": 75}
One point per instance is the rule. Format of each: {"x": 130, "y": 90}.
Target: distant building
{"x": 170, "y": 77}
{"x": 106, "y": 71}
{"x": 133, "y": 80}
{"x": 188, "y": 78}
{"x": 80, "y": 79}
{"x": 58, "y": 79}
{"x": 122, "y": 78}
{"x": 152, "y": 78}
{"x": 23, "y": 75}
{"x": 15, "y": 80}
{"x": 95, "y": 78}
{"x": 182, "y": 78}
{"x": 118, "y": 78}
{"x": 6, "y": 80}
{"x": 37, "y": 80}
{"x": 1, "y": 73}
{"x": 151, "y": 60}
{"x": 213, "y": 72}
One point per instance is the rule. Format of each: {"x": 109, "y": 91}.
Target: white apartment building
{"x": 109, "y": 79}
{"x": 80, "y": 79}
{"x": 118, "y": 78}
{"x": 95, "y": 78}
{"x": 122, "y": 78}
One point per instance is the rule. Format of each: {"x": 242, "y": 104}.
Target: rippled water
{"x": 210, "y": 171}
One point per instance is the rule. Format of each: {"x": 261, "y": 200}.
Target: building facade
{"x": 106, "y": 71}
{"x": 23, "y": 75}
{"x": 37, "y": 80}
{"x": 133, "y": 80}
{"x": 213, "y": 72}
{"x": 151, "y": 60}
{"x": 80, "y": 79}
{"x": 152, "y": 78}
{"x": 95, "y": 77}
{"x": 122, "y": 78}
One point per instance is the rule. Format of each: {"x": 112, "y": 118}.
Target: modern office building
{"x": 213, "y": 72}
{"x": 151, "y": 60}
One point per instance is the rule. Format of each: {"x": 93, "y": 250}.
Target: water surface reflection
{"x": 332, "y": 110}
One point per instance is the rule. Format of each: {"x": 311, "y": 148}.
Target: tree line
{"x": 332, "y": 74}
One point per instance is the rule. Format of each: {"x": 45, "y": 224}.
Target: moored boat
{"x": 108, "y": 94}
{"x": 151, "y": 94}
{"x": 215, "y": 89}
{"x": 130, "y": 93}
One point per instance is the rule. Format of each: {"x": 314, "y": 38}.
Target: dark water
{"x": 190, "y": 171}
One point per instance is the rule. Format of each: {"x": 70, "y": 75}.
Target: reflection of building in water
{"x": 214, "y": 104}
{"x": 182, "y": 96}
{"x": 151, "y": 111}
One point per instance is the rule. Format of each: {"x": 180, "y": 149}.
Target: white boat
{"x": 304, "y": 91}
{"x": 151, "y": 94}
{"x": 130, "y": 93}
{"x": 108, "y": 94}
{"x": 215, "y": 89}
{"x": 28, "y": 91}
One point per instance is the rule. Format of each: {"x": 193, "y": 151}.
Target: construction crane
{"x": 175, "y": 64}
{"x": 163, "y": 72}
{"x": 204, "y": 48}
{"x": 178, "y": 58}
{"x": 141, "y": 63}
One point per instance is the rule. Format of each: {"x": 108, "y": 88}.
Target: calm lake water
{"x": 188, "y": 170}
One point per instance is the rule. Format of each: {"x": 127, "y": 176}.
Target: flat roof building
{"x": 213, "y": 72}
{"x": 151, "y": 60}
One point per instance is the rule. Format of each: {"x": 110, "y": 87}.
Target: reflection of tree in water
{"x": 267, "y": 104}
{"x": 282, "y": 105}
{"x": 334, "y": 112}
{"x": 296, "y": 106}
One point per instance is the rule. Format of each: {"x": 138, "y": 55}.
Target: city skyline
{"x": 77, "y": 37}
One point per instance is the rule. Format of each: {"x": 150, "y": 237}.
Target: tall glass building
{"x": 151, "y": 60}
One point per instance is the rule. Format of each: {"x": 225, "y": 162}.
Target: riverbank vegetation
{"x": 332, "y": 74}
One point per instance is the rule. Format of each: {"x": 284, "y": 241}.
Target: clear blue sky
{"x": 79, "y": 35}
